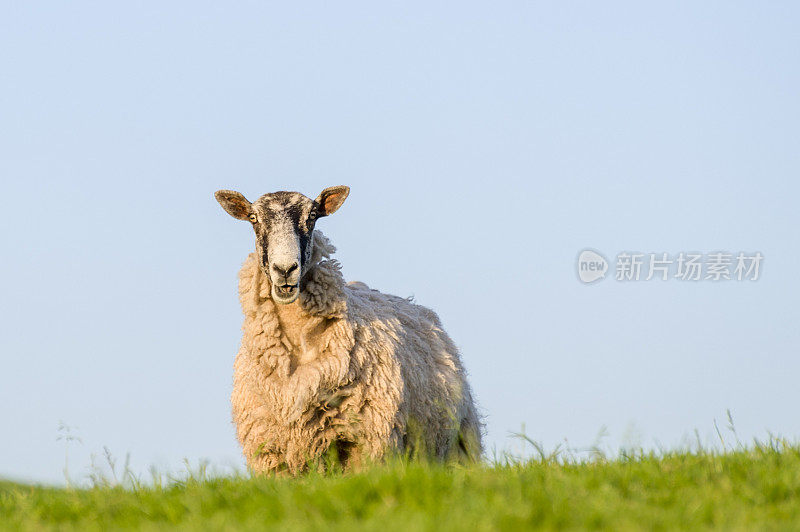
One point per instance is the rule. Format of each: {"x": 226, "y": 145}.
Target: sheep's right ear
{"x": 234, "y": 204}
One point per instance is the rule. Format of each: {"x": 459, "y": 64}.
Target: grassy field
{"x": 756, "y": 488}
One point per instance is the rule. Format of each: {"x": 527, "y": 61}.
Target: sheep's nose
{"x": 284, "y": 271}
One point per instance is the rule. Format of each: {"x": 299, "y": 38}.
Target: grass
{"x": 743, "y": 489}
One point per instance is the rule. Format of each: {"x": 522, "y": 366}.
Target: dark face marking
{"x": 273, "y": 212}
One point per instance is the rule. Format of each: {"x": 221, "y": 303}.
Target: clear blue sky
{"x": 486, "y": 144}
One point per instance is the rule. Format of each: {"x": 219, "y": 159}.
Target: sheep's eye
{"x": 253, "y": 218}
{"x": 312, "y": 216}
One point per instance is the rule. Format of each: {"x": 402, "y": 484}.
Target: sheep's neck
{"x": 301, "y": 330}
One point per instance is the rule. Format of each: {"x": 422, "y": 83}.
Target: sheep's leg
{"x": 468, "y": 445}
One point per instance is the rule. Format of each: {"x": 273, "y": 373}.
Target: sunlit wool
{"x": 379, "y": 375}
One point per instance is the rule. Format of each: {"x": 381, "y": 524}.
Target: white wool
{"x": 346, "y": 367}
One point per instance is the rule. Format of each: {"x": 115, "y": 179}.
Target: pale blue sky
{"x": 486, "y": 144}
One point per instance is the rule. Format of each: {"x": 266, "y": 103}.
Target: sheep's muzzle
{"x": 285, "y": 294}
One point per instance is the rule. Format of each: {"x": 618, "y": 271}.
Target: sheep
{"x": 328, "y": 367}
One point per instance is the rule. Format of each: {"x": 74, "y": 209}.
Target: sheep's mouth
{"x": 286, "y": 293}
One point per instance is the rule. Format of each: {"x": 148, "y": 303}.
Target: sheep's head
{"x": 284, "y": 227}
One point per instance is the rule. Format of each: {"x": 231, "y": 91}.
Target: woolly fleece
{"x": 379, "y": 375}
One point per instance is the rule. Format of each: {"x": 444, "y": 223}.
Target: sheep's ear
{"x": 331, "y": 199}
{"x": 234, "y": 204}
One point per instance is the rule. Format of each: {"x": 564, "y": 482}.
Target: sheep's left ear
{"x": 331, "y": 199}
